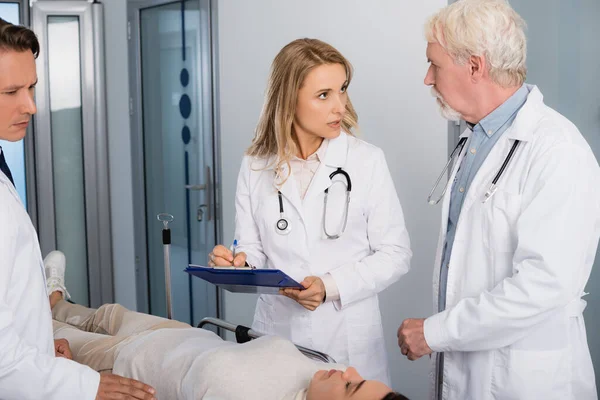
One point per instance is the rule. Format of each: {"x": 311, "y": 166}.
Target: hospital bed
{"x": 244, "y": 334}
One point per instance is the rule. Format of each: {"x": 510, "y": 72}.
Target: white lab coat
{"x": 513, "y": 327}
{"x": 28, "y": 368}
{"x": 373, "y": 252}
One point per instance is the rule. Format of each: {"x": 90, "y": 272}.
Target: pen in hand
{"x": 233, "y": 249}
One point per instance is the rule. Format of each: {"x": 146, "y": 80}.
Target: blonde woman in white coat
{"x": 303, "y": 136}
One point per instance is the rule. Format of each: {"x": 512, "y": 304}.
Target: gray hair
{"x": 485, "y": 28}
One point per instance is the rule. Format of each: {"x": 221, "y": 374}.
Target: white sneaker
{"x": 55, "y": 264}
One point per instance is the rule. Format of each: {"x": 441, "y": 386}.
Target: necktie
{"x": 4, "y": 167}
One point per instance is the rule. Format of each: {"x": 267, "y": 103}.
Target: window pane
{"x": 10, "y": 12}
{"x": 64, "y": 71}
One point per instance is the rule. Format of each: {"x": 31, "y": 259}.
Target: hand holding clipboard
{"x": 311, "y": 297}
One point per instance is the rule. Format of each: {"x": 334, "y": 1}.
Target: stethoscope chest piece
{"x": 283, "y": 226}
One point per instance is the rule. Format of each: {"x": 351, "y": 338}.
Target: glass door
{"x": 175, "y": 161}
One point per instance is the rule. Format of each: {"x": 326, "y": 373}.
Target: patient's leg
{"x": 95, "y": 350}
{"x": 110, "y": 319}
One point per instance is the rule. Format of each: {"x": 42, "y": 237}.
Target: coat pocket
{"x": 263, "y": 315}
{"x": 500, "y": 217}
{"x": 532, "y": 374}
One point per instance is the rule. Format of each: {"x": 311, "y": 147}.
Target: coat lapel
{"x": 446, "y": 201}
{"x": 521, "y": 129}
{"x": 484, "y": 176}
{"x": 4, "y": 180}
{"x": 289, "y": 190}
{"x": 335, "y": 157}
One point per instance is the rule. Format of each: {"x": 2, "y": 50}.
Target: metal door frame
{"x": 95, "y": 146}
{"x": 134, "y": 8}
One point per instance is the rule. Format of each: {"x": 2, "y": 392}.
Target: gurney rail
{"x": 244, "y": 334}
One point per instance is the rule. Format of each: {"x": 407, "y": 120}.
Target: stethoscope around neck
{"x": 491, "y": 190}
{"x": 283, "y": 226}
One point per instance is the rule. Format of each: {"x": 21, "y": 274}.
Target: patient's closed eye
{"x": 356, "y": 388}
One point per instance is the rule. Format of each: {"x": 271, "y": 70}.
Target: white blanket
{"x": 195, "y": 363}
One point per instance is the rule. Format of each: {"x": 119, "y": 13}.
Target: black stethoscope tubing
{"x": 283, "y": 225}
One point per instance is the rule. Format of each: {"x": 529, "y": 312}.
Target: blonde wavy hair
{"x": 274, "y": 134}
{"x": 487, "y": 28}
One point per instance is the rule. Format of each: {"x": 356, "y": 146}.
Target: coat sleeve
{"x": 25, "y": 371}
{"x": 388, "y": 238}
{"x": 246, "y": 229}
{"x": 557, "y": 231}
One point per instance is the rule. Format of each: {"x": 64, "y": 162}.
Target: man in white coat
{"x": 29, "y": 366}
{"x": 517, "y": 244}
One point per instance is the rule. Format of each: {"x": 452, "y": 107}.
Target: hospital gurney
{"x": 244, "y": 334}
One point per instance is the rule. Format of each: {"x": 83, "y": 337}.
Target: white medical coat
{"x": 28, "y": 367}
{"x": 372, "y": 253}
{"x": 513, "y": 327}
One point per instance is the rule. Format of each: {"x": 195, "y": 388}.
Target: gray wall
{"x": 564, "y": 61}
{"x": 384, "y": 41}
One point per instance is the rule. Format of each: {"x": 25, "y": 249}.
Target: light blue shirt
{"x": 485, "y": 135}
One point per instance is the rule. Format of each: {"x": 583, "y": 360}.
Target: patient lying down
{"x": 182, "y": 362}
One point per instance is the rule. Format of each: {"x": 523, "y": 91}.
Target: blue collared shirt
{"x": 485, "y": 135}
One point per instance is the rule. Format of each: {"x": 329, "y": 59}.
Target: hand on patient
{"x": 310, "y": 298}
{"x": 411, "y": 339}
{"x": 118, "y": 387}
{"x": 221, "y": 256}
{"x": 62, "y": 349}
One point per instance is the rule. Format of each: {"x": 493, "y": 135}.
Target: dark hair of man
{"x": 394, "y": 396}
{"x": 18, "y": 38}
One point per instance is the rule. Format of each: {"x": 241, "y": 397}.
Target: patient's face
{"x": 337, "y": 385}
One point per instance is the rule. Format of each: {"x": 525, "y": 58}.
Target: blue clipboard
{"x": 245, "y": 280}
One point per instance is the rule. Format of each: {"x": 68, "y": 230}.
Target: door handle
{"x": 208, "y": 193}
{"x": 195, "y": 187}
{"x": 206, "y": 186}
{"x": 200, "y": 212}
